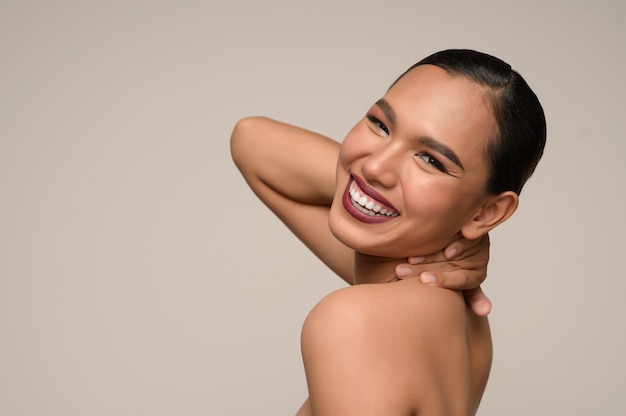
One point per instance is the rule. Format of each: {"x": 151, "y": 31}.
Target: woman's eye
{"x": 431, "y": 161}
{"x": 378, "y": 124}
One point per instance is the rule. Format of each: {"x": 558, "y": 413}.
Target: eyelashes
{"x": 379, "y": 124}
{"x": 430, "y": 160}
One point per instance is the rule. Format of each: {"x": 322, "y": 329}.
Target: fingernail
{"x": 416, "y": 260}
{"x": 451, "y": 252}
{"x": 428, "y": 279}
{"x": 403, "y": 271}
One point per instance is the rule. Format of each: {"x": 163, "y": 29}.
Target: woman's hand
{"x": 461, "y": 266}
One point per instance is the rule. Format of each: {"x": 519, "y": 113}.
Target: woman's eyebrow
{"x": 385, "y": 107}
{"x": 442, "y": 149}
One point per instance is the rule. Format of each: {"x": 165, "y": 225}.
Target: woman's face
{"x": 412, "y": 173}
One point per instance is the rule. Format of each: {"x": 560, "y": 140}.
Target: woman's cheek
{"x": 349, "y": 150}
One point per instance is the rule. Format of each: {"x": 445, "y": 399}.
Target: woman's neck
{"x": 373, "y": 269}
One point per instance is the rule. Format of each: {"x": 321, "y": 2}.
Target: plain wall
{"x": 140, "y": 276}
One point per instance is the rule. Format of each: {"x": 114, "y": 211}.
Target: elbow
{"x": 245, "y": 140}
{"x": 241, "y": 134}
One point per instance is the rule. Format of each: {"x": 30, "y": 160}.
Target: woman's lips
{"x": 366, "y": 204}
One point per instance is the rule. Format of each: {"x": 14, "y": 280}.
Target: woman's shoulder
{"x": 405, "y": 319}
{"x": 394, "y": 338}
{"x": 406, "y": 302}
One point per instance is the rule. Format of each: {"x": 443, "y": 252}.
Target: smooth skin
{"x": 402, "y": 348}
{"x": 376, "y": 349}
{"x": 304, "y": 184}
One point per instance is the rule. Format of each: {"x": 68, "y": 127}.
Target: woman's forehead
{"x": 435, "y": 83}
{"x": 431, "y": 97}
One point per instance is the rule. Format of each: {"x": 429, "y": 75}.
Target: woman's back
{"x": 395, "y": 349}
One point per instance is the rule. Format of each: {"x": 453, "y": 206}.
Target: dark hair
{"x": 515, "y": 152}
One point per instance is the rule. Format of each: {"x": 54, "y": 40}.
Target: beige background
{"x": 138, "y": 274}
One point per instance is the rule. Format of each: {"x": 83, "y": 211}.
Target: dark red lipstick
{"x": 381, "y": 210}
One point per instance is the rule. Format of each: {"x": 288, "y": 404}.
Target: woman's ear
{"x": 495, "y": 210}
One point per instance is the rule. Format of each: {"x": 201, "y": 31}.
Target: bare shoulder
{"x": 406, "y": 305}
{"x": 402, "y": 340}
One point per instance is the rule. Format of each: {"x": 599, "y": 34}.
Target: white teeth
{"x": 367, "y": 206}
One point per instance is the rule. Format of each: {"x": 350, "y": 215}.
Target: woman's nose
{"x": 381, "y": 166}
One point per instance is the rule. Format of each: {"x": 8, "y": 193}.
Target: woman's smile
{"x": 365, "y": 204}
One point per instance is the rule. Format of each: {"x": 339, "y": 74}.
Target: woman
{"x": 442, "y": 156}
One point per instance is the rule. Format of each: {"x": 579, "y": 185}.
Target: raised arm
{"x": 292, "y": 170}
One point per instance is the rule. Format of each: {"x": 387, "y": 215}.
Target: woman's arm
{"x": 292, "y": 170}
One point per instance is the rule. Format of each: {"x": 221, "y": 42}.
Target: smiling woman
{"x": 441, "y": 157}
{"x": 423, "y": 149}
